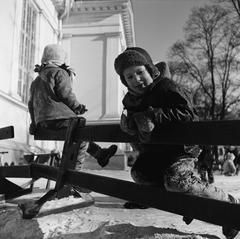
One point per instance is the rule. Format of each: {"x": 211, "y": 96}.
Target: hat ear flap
{"x": 153, "y": 70}
{"x": 163, "y": 69}
{"x": 122, "y": 78}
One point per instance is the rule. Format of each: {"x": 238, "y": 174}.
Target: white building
{"x": 92, "y": 32}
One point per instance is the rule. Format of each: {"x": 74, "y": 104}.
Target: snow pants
{"x": 175, "y": 176}
{"x": 179, "y": 177}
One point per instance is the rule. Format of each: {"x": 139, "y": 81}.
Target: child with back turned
{"x": 53, "y": 104}
{"x": 152, "y": 99}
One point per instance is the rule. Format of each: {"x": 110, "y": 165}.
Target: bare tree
{"x": 236, "y": 6}
{"x": 232, "y": 5}
{"x": 207, "y": 60}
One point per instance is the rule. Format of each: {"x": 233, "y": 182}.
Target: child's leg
{"x": 210, "y": 175}
{"x": 147, "y": 171}
{"x": 77, "y": 191}
{"x": 64, "y": 123}
{"x": 203, "y": 175}
{"x": 101, "y": 154}
{"x": 93, "y": 148}
{"x": 81, "y": 154}
{"x": 180, "y": 178}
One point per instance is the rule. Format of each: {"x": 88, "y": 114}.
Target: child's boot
{"x": 103, "y": 155}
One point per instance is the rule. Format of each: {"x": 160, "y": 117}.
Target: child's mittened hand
{"x": 127, "y": 125}
{"x": 143, "y": 122}
{"x": 81, "y": 109}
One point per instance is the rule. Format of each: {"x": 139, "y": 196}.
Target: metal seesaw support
{"x": 68, "y": 161}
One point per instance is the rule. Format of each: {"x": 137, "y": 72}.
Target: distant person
{"x": 205, "y": 164}
{"x": 53, "y": 104}
{"x": 237, "y": 163}
{"x": 235, "y": 150}
{"x": 229, "y": 168}
{"x": 150, "y": 101}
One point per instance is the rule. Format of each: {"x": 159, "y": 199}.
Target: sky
{"x": 159, "y": 24}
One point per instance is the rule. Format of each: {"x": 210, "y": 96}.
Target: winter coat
{"x": 51, "y": 95}
{"x": 165, "y": 101}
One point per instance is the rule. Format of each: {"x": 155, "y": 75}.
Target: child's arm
{"x": 63, "y": 90}
{"x": 180, "y": 109}
{"x": 144, "y": 120}
{"x": 177, "y": 107}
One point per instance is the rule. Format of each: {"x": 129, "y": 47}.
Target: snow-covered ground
{"x": 107, "y": 218}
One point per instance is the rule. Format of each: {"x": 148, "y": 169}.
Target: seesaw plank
{"x": 203, "y": 132}
{"x": 7, "y": 132}
{"x": 20, "y": 171}
{"x": 208, "y": 210}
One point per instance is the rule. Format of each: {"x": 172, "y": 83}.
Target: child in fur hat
{"x": 52, "y": 102}
{"x": 152, "y": 99}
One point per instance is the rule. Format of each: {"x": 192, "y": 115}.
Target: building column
{"x": 66, "y": 43}
{"x": 111, "y": 83}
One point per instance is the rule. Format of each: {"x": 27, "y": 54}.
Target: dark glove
{"x": 32, "y": 129}
{"x": 144, "y": 121}
{"x": 127, "y": 124}
{"x": 81, "y": 109}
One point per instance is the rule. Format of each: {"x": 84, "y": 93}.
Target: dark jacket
{"x": 206, "y": 158}
{"x": 51, "y": 95}
{"x": 169, "y": 103}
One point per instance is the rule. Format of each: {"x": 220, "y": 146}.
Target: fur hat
{"x": 54, "y": 53}
{"x": 142, "y": 51}
{"x": 127, "y": 59}
{"x": 134, "y": 56}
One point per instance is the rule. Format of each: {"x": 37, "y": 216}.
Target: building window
{"x": 27, "y": 49}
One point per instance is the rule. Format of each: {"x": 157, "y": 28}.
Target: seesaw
{"x": 191, "y": 207}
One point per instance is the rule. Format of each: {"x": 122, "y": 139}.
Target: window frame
{"x": 27, "y": 49}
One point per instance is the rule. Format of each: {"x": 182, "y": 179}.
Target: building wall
{"x": 92, "y": 38}
{"x": 6, "y": 42}
{"x": 96, "y": 84}
{"x": 13, "y": 111}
